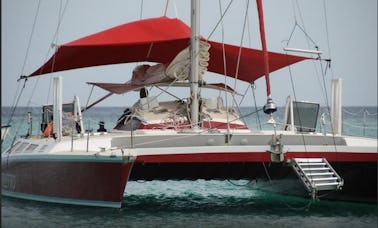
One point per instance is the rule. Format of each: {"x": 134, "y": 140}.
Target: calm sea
{"x": 193, "y": 203}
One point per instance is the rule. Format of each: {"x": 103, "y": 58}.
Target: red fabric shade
{"x": 157, "y": 40}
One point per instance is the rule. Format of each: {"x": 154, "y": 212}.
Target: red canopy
{"x": 157, "y": 40}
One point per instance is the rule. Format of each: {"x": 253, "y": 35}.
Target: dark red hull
{"x": 83, "y": 183}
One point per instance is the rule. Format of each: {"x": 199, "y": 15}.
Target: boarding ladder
{"x": 316, "y": 174}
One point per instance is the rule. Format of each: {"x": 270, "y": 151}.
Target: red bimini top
{"x": 158, "y": 40}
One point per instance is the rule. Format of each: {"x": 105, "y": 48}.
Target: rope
{"x": 267, "y": 173}
{"x": 357, "y": 126}
{"x": 371, "y": 114}
{"x": 359, "y": 112}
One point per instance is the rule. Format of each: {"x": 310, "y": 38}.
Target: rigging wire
{"x": 30, "y": 38}
{"x": 90, "y": 94}
{"x": 329, "y": 111}
{"x": 328, "y": 66}
{"x": 17, "y": 98}
{"x": 244, "y": 95}
{"x": 25, "y": 77}
{"x": 141, "y": 10}
{"x": 55, "y": 41}
{"x": 297, "y": 113}
{"x": 241, "y": 44}
{"x": 220, "y": 21}
{"x": 166, "y": 7}
{"x": 253, "y": 86}
{"x": 239, "y": 57}
{"x": 323, "y": 72}
{"x": 223, "y": 51}
{"x": 297, "y": 10}
{"x": 327, "y": 35}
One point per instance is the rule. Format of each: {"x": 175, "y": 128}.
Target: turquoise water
{"x": 195, "y": 203}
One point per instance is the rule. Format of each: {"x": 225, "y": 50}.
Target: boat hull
{"x": 81, "y": 182}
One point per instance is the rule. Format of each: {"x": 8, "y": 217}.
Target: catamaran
{"x": 192, "y": 137}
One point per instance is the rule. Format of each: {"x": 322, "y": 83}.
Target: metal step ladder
{"x": 316, "y": 174}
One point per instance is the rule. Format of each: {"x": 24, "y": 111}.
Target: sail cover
{"x": 158, "y": 40}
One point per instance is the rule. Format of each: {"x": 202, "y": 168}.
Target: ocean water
{"x": 198, "y": 203}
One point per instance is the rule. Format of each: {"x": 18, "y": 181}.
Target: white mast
{"x": 194, "y": 52}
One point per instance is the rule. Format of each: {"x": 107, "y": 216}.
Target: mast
{"x": 270, "y": 106}
{"x": 194, "y": 44}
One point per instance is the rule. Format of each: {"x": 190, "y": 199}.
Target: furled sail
{"x": 177, "y": 70}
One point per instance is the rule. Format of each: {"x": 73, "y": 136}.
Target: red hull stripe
{"x": 254, "y": 157}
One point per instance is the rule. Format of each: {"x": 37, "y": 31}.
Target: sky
{"x": 344, "y": 30}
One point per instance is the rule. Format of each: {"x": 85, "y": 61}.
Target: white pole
{"x": 194, "y": 51}
{"x": 57, "y": 107}
{"x": 303, "y": 51}
{"x": 78, "y": 115}
{"x": 336, "y": 106}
